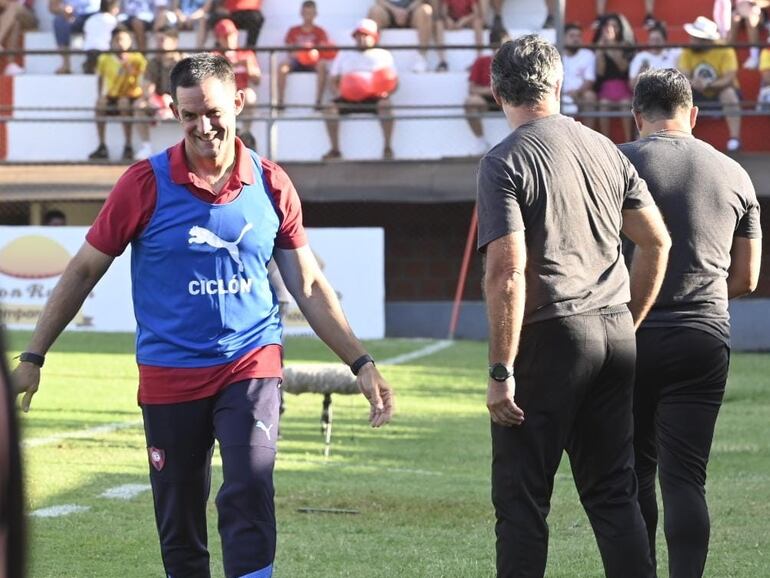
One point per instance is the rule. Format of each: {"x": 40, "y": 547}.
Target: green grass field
{"x": 421, "y": 485}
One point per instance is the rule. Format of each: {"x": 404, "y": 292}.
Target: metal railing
{"x": 272, "y": 115}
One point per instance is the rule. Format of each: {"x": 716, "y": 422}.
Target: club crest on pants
{"x": 157, "y": 457}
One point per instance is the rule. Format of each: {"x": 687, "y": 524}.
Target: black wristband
{"x": 356, "y": 366}
{"x": 32, "y": 358}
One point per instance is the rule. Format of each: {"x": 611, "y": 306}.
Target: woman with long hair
{"x": 615, "y": 36}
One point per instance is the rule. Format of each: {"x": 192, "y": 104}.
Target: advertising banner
{"x": 32, "y": 260}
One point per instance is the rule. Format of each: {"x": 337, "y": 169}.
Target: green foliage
{"x": 420, "y": 485}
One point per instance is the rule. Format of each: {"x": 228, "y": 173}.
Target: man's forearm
{"x": 505, "y": 295}
{"x": 648, "y": 269}
{"x": 323, "y": 311}
{"x": 63, "y": 304}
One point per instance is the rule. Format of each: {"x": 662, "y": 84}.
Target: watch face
{"x": 499, "y": 372}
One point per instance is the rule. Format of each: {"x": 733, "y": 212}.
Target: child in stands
{"x": 313, "y": 37}
{"x": 120, "y": 85}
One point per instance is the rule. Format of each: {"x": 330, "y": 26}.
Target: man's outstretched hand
{"x": 26, "y": 379}
{"x": 378, "y": 392}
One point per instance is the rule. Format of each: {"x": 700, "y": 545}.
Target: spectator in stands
{"x": 15, "y": 17}
{"x": 97, "y": 33}
{"x": 246, "y": 69}
{"x": 143, "y": 16}
{"x": 456, "y": 15}
{"x": 312, "y": 36}
{"x": 54, "y": 218}
{"x": 764, "y": 87}
{"x": 713, "y": 74}
{"x": 751, "y": 13}
{"x": 480, "y": 98}
{"x": 245, "y": 14}
{"x": 649, "y": 9}
{"x": 615, "y": 36}
{"x": 577, "y": 91}
{"x": 155, "y": 102}
{"x": 407, "y": 14}
{"x": 120, "y": 85}
{"x": 654, "y": 58}
{"x": 69, "y": 18}
{"x": 354, "y": 72}
{"x": 497, "y": 11}
{"x": 191, "y": 15}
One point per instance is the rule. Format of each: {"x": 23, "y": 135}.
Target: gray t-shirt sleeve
{"x": 748, "y": 225}
{"x": 637, "y": 195}
{"x": 497, "y": 202}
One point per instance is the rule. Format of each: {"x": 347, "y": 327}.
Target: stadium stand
{"x": 303, "y": 140}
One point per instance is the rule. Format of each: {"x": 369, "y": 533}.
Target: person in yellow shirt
{"x": 120, "y": 86}
{"x": 713, "y": 74}
{"x": 763, "y": 100}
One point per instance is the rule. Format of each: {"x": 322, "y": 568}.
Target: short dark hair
{"x": 572, "y": 26}
{"x": 193, "y": 70}
{"x": 525, "y": 70}
{"x": 119, "y": 29}
{"x": 660, "y": 94}
{"x": 308, "y": 4}
{"x": 52, "y": 215}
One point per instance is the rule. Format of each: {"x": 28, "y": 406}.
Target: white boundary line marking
{"x": 79, "y": 434}
{"x": 422, "y": 352}
{"x": 59, "y": 511}
{"x": 125, "y": 492}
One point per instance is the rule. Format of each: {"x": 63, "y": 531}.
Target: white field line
{"x": 418, "y": 353}
{"x": 58, "y": 511}
{"x": 79, "y": 434}
{"x": 125, "y": 492}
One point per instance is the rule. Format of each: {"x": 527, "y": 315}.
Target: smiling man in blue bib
{"x": 204, "y": 218}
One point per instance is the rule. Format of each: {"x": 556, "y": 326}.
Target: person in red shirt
{"x": 312, "y": 37}
{"x": 480, "y": 98}
{"x": 245, "y": 14}
{"x": 247, "y": 72}
{"x": 204, "y": 306}
{"x": 456, "y": 15}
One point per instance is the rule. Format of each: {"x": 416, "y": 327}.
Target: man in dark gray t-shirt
{"x": 683, "y": 353}
{"x": 566, "y": 187}
{"x": 553, "y": 198}
{"x": 707, "y": 199}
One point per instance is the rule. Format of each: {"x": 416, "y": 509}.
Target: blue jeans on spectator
{"x": 63, "y": 28}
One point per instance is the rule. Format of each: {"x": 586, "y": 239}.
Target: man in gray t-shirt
{"x": 553, "y": 198}
{"x": 683, "y": 353}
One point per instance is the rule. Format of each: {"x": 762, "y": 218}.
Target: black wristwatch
{"x": 500, "y": 372}
{"x": 356, "y": 366}
{"x": 33, "y": 358}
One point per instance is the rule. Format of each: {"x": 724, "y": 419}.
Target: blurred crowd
{"x": 117, "y": 34}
